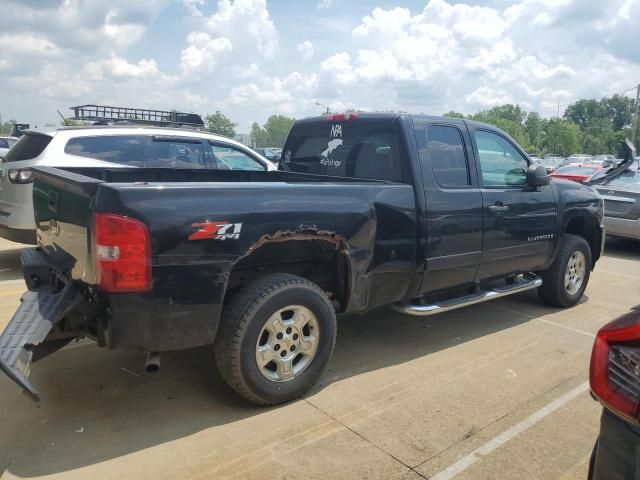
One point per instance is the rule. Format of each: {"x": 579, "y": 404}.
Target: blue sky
{"x": 253, "y": 58}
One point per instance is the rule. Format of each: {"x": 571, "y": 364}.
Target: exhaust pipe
{"x": 152, "y": 365}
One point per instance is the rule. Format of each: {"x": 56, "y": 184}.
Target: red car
{"x": 576, "y": 172}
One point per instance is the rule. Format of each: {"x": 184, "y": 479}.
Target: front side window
{"x": 123, "y": 149}
{"x": 445, "y": 152}
{"x": 500, "y": 163}
{"x": 227, "y": 157}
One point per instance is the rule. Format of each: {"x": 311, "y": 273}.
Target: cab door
{"x": 519, "y": 220}
{"x": 453, "y": 206}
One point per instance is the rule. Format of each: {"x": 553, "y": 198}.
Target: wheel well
{"x": 319, "y": 261}
{"x": 587, "y": 229}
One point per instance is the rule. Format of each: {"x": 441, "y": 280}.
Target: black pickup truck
{"x": 424, "y": 214}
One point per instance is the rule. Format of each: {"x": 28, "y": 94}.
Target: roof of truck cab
{"x": 414, "y": 117}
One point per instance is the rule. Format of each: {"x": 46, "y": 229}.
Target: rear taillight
{"x": 20, "y": 175}
{"x": 123, "y": 253}
{"x": 615, "y": 366}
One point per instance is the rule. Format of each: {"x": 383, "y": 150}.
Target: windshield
{"x": 28, "y": 147}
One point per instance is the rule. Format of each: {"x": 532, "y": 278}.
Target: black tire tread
{"x": 553, "y": 278}
{"x": 235, "y": 319}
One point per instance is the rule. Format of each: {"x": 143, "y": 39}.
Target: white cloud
{"x": 117, "y": 68}
{"x": 29, "y": 44}
{"x": 306, "y": 50}
{"x": 324, "y": 4}
{"x": 203, "y": 52}
{"x": 246, "y": 24}
{"x": 438, "y": 56}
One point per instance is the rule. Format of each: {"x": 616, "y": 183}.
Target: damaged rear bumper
{"x": 39, "y": 311}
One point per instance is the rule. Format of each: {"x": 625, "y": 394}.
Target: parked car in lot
{"x": 615, "y": 382}
{"x": 579, "y": 158}
{"x": 576, "y": 172}
{"x": 271, "y": 154}
{"x": 5, "y": 144}
{"x": 551, "y": 164}
{"x": 425, "y": 214}
{"x": 604, "y": 160}
{"x": 108, "y": 147}
{"x": 622, "y": 203}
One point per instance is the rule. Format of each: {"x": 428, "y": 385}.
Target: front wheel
{"x": 566, "y": 280}
{"x": 275, "y": 338}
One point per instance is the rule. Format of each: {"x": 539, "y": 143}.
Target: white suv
{"x": 111, "y": 146}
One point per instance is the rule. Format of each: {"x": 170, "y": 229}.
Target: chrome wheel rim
{"x": 287, "y": 344}
{"x": 574, "y": 274}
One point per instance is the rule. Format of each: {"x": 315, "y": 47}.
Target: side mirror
{"x": 537, "y": 176}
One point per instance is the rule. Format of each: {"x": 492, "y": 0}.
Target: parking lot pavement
{"x": 496, "y": 391}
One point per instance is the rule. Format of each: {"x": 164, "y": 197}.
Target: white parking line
{"x": 548, "y": 322}
{"x": 577, "y": 330}
{"x": 465, "y": 462}
{"x": 11, "y": 282}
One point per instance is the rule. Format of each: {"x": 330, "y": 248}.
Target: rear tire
{"x": 564, "y": 283}
{"x": 275, "y": 338}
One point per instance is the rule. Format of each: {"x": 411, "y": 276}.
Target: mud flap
{"x": 39, "y": 311}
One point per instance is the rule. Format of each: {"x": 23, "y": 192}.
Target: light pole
{"x": 635, "y": 117}
{"x": 323, "y": 106}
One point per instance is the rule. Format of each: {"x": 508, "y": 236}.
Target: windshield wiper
{"x": 620, "y": 168}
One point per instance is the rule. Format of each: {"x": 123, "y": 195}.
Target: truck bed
{"x": 372, "y": 223}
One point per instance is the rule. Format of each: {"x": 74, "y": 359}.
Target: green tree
{"x": 620, "y": 110}
{"x": 583, "y": 112}
{"x": 7, "y": 126}
{"x": 561, "y": 136}
{"x": 277, "y": 128}
{"x": 273, "y": 133}
{"x": 221, "y": 124}
{"x": 533, "y": 129}
{"x": 453, "y": 114}
{"x": 258, "y": 135}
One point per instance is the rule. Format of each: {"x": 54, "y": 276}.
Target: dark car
{"x": 615, "y": 383}
{"x": 271, "y": 154}
{"x": 423, "y": 214}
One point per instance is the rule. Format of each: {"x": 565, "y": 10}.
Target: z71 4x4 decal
{"x": 216, "y": 231}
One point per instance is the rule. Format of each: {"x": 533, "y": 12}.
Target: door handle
{"x": 498, "y": 208}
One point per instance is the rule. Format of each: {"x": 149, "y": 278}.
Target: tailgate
{"x": 61, "y": 202}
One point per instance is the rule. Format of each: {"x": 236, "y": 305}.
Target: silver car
{"x": 5, "y": 144}
{"x": 112, "y": 146}
{"x": 622, "y": 204}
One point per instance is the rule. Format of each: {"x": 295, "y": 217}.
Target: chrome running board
{"x": 522, "y": 283}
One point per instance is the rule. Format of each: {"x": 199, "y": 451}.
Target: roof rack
{"x": 104, "y": 114}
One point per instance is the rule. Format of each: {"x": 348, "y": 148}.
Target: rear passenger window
{"x": 124, "y": 149}
{"x": 176, "y": 152}
{"x": 446, "y": 154}
{"x": 359, "y": 149}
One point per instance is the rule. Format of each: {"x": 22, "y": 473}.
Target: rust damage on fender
{"x": 302, "y": 233}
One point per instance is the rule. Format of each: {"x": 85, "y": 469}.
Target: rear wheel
{"x": 566, "y": 280}
{"x": 275, "y": 339}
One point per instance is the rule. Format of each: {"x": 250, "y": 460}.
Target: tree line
{"x": 272, "y": 134}
{"x": 587, "y": 126}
